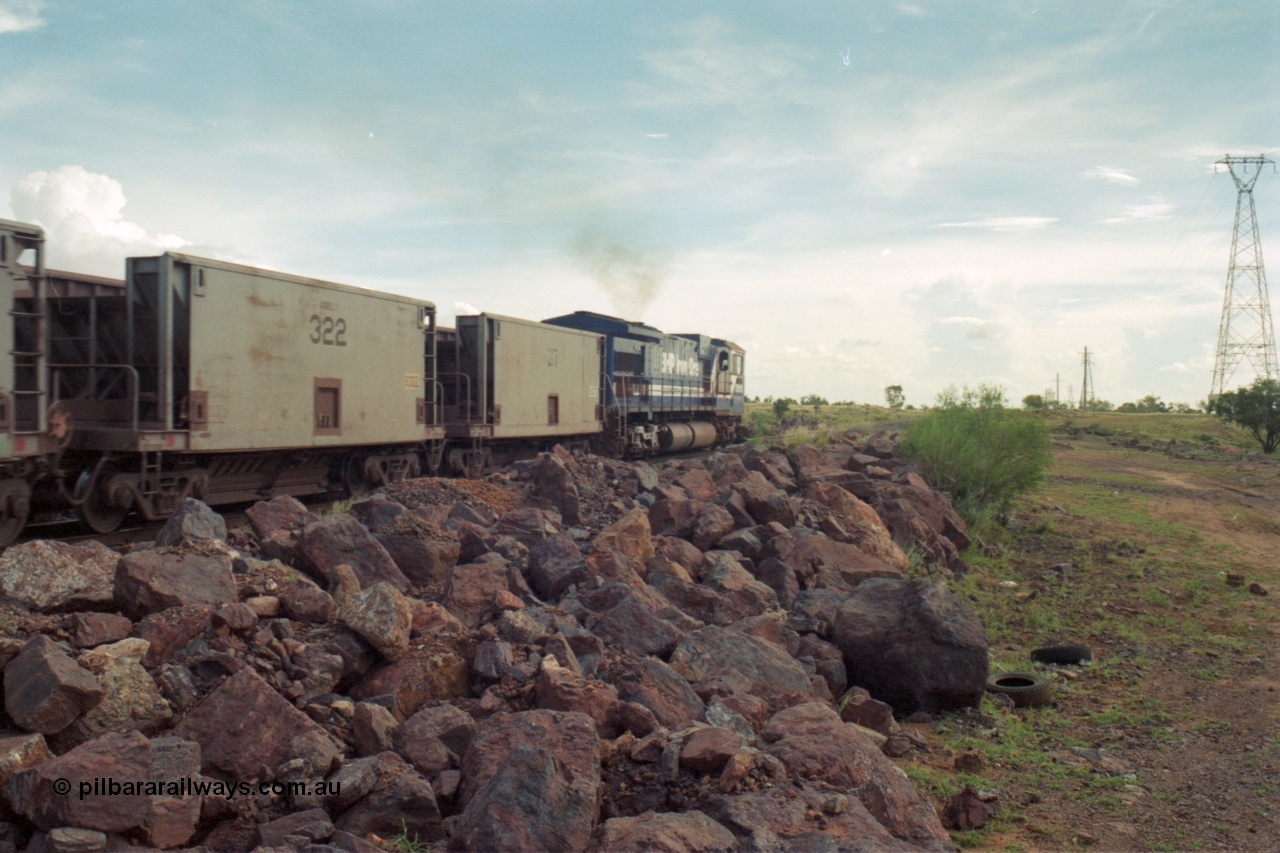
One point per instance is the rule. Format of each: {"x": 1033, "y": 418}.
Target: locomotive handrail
{"x": 131, "y": 391}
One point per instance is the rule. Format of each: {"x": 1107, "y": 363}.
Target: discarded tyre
{"x": 1026, "y": 689}
{"x": 1062, "y": 654}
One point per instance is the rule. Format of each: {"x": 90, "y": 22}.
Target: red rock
{"x": 373, "y": 728}
{"x": 400, "y": 801}
{"x": 131, "y": 701}
{"x": 431, "y": 619}
{"x": 420, "y": 677}
{"x": 620, "y": 551}
{"x": 813, "y": 744}
{"x": 382, "y": 617}
{"x": 741, "y": 595}
{"x": 337, "y": 539}
{"x": 555, "y": 564}
{"x": 679, "y": 551}
{"x": 857, "y": 706}
{"x": 170, "y": 630}
{"x": 530, "y": 781}
{"x": 244, "y": 726}
{"x": 713, "y": 523}
{"x": 633, "y": 618}
{"x": 150, "y": 581}
{"x": 192, "y": 523}
{"x": 765, "y": 501}
{"x": 237, "y": 618}
{"x": 94, "y": 629}
{"x": 281, "y": 513}
{"x": 558, "y": 689}
{"x": 159, "y": 815}
{"x": 527, "y": 525}
{"x": 913, "y": 644}
{"x": 670, "y": 832}
{"x": 470, "y": 593}
{"x": 50, "y": 577}
{"x": 18, "y": 752}
{"x": 45, "y": 690}
{"x": 296, "y": 830}
{"x": 861, "y": 523}
{"x": 718, "y": 661}
{"x": 445, "y": 723}
{"x": 303, "y": 601}
{"x": 655, "y": 685}
{"x": 823, "y": 563}
{"x": 674, "y": 517}
{"x": 707, "y": 750}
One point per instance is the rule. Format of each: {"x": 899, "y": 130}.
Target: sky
{"x": 861, "y": 194}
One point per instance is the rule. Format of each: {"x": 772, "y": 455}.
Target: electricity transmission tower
{"x": 1245, "y": 332}
{"x": 1086, "y": 389}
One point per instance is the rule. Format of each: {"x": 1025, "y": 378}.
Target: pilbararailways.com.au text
{"x": 189, "y": 787}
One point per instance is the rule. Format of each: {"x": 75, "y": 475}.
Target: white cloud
{"x": 1115, "y": 176}
{"x": 18, "y": 16}
{"x": 1004, "y": 223}
{"x": 81, "y": 214}
{"x": 1153, "y": 211}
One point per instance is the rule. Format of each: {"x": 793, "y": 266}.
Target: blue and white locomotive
{"x": 664, "y": 393}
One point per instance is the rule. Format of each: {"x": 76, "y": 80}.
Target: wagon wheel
{"x": 353, "y": 476}
{"x": 15, "y": 505}
{"x": 96, "y": 509}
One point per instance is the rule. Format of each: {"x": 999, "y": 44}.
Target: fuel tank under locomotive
{"x": 673, "y": 438}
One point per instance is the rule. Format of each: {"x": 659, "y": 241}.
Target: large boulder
{"x": 530, "y": 781}
{"x": 473, "y": 589}
{"x": 668, "y": 832}
{"x": 131, "y": 699}
{"x": 151, "y": 581}
{"x": 51, "y": 577}
{"x": 655, "y": 685}
{"x": 193, "y": 523}
{"x": 638, "y": 620}
{"x": 45, "y": 690}
{"x": 820, "y": 562}
{"x": 852, "y": 520}
{"x": 382, "y": 617}
{"x": 121, "y": 783}
{"x": 246, "y": 729}
{"x": 721, "y": 661}
{"x": 814, "y": 744}
{"x": 336, "y": 539}
{"x": 913, "y": 644}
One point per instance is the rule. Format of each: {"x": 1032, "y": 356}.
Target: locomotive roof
{"x": 606, "y": 325}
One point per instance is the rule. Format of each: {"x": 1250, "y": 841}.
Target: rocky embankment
{"x": 578, "y": 654}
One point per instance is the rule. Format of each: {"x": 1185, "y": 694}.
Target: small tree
{"x": 813, "y": 400}
{"x": 781, "y": 406}
{"x": 977, "y": 451}
{"x": 1033, "y": 401}
{"x": 1255, "y": 408}
{"x": 894, "y": 397}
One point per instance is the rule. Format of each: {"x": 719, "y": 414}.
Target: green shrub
{"x": 978, "y": 452}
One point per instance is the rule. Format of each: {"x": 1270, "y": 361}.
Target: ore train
{"x": 199, "y": 378}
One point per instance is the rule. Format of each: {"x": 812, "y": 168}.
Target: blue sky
{"x": 861, "y": 194}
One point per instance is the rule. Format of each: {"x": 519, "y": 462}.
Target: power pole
{"x": 1086, "y": 389}
{"x": 1057, "y": 389}
{"x": 1245, "y": 332}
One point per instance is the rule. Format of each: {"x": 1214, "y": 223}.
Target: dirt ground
{"x": 1128, "y": 549}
